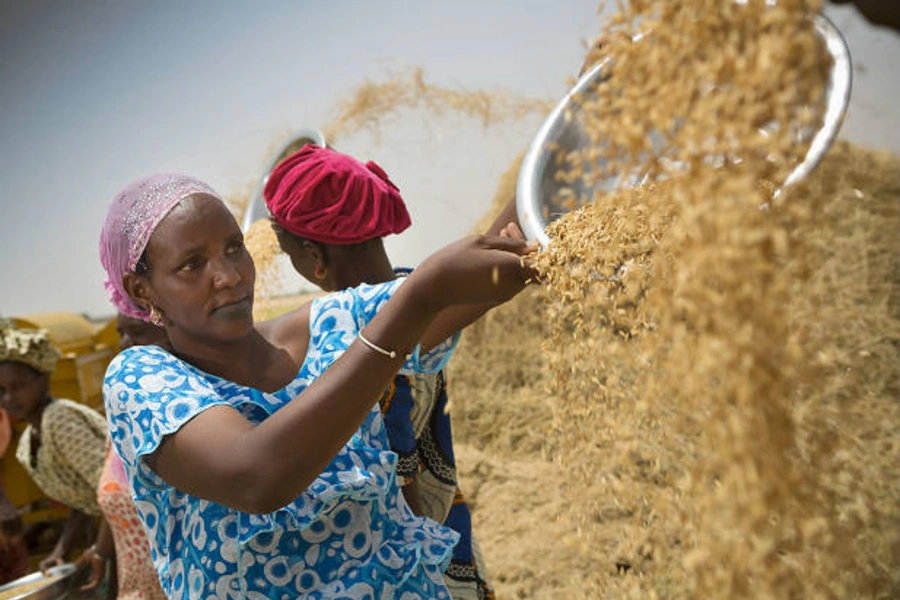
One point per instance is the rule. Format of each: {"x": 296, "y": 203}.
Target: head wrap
{"x": 29, "y": 346}
{"x": 130, "y": 221}
{"x": 328, "y": 197}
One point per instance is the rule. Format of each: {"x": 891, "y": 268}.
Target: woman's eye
{"x": 190, "y": 265}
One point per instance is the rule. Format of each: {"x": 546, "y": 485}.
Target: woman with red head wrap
{"x": 330, "y": 213}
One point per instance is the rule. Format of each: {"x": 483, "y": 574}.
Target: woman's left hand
{"x": 53, "y": 560}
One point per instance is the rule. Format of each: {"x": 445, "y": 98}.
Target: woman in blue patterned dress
{"x": 256, "y": 452}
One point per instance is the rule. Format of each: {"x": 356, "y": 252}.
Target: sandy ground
{"x": 528, "y": 543}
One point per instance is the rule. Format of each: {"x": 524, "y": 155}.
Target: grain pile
{"x": 723, "y": 378}
{"x": 583, "y": 485}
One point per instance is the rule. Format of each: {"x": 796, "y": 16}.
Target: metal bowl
{"x": 538, "y": 198}
{"x": 256, "y": 207}
{"x": 56, "y": 586}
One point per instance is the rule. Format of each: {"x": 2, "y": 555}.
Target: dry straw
{"x": 743, "y": 371}
{"x": 719, "y": 382}
{"x": 373, "y": 102}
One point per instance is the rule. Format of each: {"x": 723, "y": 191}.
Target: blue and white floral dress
{"x": 349, "y": 535}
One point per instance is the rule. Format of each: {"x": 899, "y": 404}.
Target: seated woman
{"x": 330, "y": 213}
{"x": 62, "y": 448}
{"x": 256, "y": 452}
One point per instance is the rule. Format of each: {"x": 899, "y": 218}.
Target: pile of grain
{"x": 724, "y": 377}
{"x": 653, "y": 472}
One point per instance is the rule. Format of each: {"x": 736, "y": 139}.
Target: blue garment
{"x": 349, "y": 535}
{"x": 417, "y": 420}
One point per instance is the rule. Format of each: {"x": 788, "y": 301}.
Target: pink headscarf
{"x": 130, "y": 221}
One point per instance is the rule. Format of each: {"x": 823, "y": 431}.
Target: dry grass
{"x": 372, "y": 102}
{"x": 723, "y": 378}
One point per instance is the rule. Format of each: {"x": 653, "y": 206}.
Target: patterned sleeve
{"x": 370, "y": 299}
{"x": 150, "y": 394}
{"x": 78, "y": 438}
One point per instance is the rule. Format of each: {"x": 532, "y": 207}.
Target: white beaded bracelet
{"x": 377, "y": 348}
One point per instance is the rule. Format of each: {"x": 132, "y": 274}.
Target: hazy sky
{"x": 95, "y": 94}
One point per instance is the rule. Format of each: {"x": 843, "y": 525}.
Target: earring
{"x": 155, "y": 317}
{"x": 321, "y": 272}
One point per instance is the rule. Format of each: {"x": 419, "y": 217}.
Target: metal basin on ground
{"x": 36, "y": 586}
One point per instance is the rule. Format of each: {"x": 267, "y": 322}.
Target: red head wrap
{"x": 331, "y": 198}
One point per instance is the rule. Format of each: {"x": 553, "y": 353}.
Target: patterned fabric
{"x": 415, "y": 412}
{"x": 349, "y": 535}
{"x": 69, "y": 461}
{"x": 418, "y": 428}
{"x": 137, "y": 578}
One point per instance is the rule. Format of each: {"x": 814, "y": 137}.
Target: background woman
{"x": 62, "y": 448}
{"x": 330, "y": 213}
{"x": 257, "y": 453}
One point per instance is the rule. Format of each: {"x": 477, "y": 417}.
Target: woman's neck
{"x": 251, "y": 362}
{"x": 222, "y": 359}
{"x": 354, "y": 265}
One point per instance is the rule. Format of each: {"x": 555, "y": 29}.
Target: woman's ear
{"x": 137, "y": 289}
{"x": 316, "y": 253}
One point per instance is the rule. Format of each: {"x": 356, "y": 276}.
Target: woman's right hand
{"x": 479, "y": 269}
{"x": 96, "y": 567}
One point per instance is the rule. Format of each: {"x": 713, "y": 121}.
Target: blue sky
{"x": 97, "y": 93}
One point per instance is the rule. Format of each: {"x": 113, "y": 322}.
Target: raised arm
{"x": 220, "y": 456}
{"x": 458, "y": 316}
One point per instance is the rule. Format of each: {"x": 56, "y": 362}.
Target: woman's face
{"x": 201, "y": 275}
{"x": 22, "y": 389}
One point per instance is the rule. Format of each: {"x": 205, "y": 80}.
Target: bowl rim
{"x": 64, "y": 571}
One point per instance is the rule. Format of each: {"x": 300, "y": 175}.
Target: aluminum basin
{"x": 538, "y": 201}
